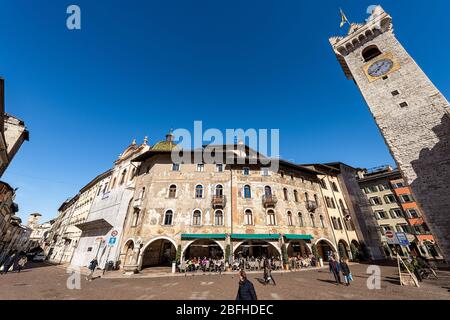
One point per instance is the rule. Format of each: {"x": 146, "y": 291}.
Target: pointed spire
{"x": 145, "y": 140}
{"x": 134, "y": 142}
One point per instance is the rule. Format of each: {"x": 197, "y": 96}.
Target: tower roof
{"x": 359, "y": 34}
{"x": 165, "y": 145}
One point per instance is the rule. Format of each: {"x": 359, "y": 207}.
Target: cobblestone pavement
{"x": 41, "y": 281}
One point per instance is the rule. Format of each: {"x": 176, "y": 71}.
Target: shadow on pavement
{"x": 327, "y": 281}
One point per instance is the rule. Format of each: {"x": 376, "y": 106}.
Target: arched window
{"x": 248, "y": 217}
{"x": 339, "y": 223}
{"x": 334, "y": 186}
{"x": 268, "y": 191}
{"x": 334, "y": 222}
{"x": 316, "y": 199}
{"x": 285, "y": 193}
{"x": 199, "y": 191}
{"x": 197, "y": 218}
{"x": 295, "y": 195}
{"x": 322, "y": 222}
{"x": 247, "y": 192}
{"x": 301, "y": 223}
{"x": 172, "y": 191}
{"x": 133, "y": 173}
{"x": 113, "y": 184}
{"x": 333, "y": 204}
{"x": 122, "y": 178}
{"x": 168, "y": 218}
{"x": 370, "y": 52}
{"x": 313, "y": 222}
{"x": 341, "y": 204}
{"x": 219, "y": 190}
{"x": 135, "y": 220}
{"x": 218, "y": 218}
{"x": 306, "y": 196}
{"x": 271, "y": 218}
{"x": 289, "y": 218}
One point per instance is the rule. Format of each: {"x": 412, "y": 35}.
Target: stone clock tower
{"x": 411, "y": 113}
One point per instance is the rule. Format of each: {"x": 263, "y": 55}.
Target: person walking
{"x": 92, "y": 266}
{"x": 246, "y": 289}
{"x": 268, "y": 272}
{"x": 21, "y": 263}
{"x": 9, "y": 263}
{"x": 346, "y": 271}
{"x": 335, "y": 270}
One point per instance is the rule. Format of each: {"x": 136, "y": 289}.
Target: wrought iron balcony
{"x": 311, "y": 206}
{"x": 269, "y": 200}
{"x": 346, "y": 213}
{"x": 218, "y": 201}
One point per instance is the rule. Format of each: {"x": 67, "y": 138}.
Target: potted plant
{"x": 342, "y": 251}
{"x": 355, "y": 252}
{"x": 177, "y": 259}
{"x": 285, "y": 256}
{"x": 316, "y": 254}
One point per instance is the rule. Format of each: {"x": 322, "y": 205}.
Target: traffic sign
{"x": 112, "y": 241}
{"x": 402, "y": 238}
{"x": 114, "y": 233}
{"x": 390, "y": 237}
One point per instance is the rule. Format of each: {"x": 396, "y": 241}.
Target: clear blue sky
{"x": 138, "y": 68}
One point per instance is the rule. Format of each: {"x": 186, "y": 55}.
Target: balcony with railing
{"x": 311, "y": 205}
{"x": 269, "y": 200}
{"x": 218, "y": 201}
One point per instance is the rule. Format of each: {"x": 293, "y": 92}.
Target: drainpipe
{"x": 340, "y": 213}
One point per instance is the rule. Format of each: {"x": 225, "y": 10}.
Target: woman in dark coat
{"x": 246, "y": 289}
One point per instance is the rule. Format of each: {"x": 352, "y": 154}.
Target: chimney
{"x": 360, "y": 174}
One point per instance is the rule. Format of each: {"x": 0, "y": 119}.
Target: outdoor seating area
{"x": 202, "y": 264}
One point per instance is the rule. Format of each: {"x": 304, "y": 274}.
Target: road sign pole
{"x": 106, "y": 262}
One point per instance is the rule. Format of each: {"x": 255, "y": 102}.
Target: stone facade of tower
{"x": 411, "y": 113}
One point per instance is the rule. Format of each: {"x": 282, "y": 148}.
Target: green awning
{"x": 255, "y": 236}
{"x": 203, "y": 236}
{"x": 298, "y": 236}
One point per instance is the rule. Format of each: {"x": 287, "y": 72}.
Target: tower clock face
{"x": 380, "y": 67}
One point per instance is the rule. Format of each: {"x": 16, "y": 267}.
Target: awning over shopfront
{"x": 298, "y": 236}
{"x": 203, "y": 236}
{"x": 255, "y": 236}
